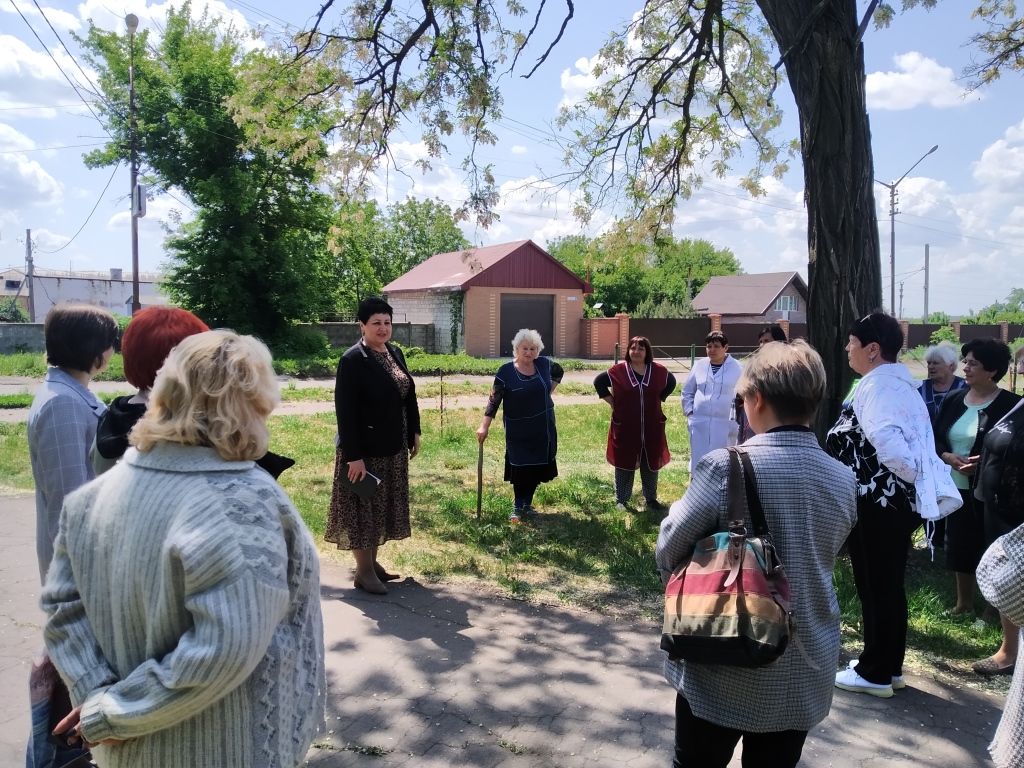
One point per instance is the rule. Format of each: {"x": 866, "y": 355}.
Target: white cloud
{"x": 12, "y": 139}
{"x": 61, "y": 20}
{"x": 157, "y": 210}
{"x": 919, "y": 80}
{"x": 575, "y": 86}
{"x": 519, "y": 149}
{"x": 24, "y": 182}
{"x": 1001, "y": 165}
{"x": 29, "y": 78}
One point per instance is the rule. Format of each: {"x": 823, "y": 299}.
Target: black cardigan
{"x": 954, "y": 406}
{"x": 369, "y": 407}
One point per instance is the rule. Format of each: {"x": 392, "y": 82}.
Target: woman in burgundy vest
{"x": 635, "y": 389}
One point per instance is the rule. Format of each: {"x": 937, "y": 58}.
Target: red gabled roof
{"x": 745, "y": 294}
{"x": 519, "y": 264}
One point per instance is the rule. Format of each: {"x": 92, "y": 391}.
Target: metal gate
{"x": 535, "y": 311}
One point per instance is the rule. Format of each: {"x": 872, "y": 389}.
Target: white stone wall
{"x": 429, "y": 307}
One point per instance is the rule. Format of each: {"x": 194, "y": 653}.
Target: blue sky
{"x": 966, "y": 200}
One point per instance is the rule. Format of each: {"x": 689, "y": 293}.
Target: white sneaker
{"x": 897, "y": 680}
{"x": 621, "y": 507}
{"x": 849, "y": 680}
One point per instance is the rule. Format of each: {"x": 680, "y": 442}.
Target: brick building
{"x": 479, "y": 298}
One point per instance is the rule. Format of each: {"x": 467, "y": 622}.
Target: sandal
{"x": 990, "y": 667}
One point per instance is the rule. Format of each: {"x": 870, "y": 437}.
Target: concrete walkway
{"x": 433, "y": 676}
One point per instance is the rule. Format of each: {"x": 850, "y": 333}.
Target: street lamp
{"x": 132, "y": 22}
{"x": 892, "y": 229}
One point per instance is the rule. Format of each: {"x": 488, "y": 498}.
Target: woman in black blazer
{"x": 378, "y": 432}
{"x": 961, "y": 423}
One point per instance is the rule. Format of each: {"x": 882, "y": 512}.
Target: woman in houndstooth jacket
{"x": 810, "y": 505}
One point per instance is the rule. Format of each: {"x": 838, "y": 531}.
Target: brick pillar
{"x": 905, "y": 327}
{"x": 956, "y": 328}
{"x": 716, "y": 322}
{"x": 784, "y": 325}
{"x": 623, "y": 319}
{"x": 1004, "y": 331}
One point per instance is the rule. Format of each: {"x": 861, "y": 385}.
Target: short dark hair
{"x": 774, "y": 330}
{"x": 373, "y": 305}
{"x": 882, "y": 329}
{"x": 77, "y": 335}
{"x": 646, "y": 344}
{"x": 716, "y": 336}
{"x": 991, "y": 353}
{"x": 149, "y": 339}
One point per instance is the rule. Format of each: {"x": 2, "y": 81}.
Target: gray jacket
{"x": 810, "y": 504}
{"x": 61, "y": 428}
{"x": 184, "y": 614}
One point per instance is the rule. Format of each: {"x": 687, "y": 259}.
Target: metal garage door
{"x": 527, "y": 311}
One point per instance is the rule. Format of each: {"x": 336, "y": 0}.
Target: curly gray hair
{"x": 527, "y": 335}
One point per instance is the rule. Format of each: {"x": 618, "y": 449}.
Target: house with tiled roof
{"x": 478, "y": 298}
{"x": 763, "y": 298}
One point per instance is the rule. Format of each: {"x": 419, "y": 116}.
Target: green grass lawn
{"x": 580, "y": 550}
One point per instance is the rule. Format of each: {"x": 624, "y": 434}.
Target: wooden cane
{"x": 479, "y": 480}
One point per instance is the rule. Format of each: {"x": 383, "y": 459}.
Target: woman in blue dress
{"x": 531, "y": 441}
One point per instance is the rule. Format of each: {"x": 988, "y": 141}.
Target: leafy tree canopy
{"x": 1011, "y": 311}
{"x": 374, "y": 247}
{"x": 657, "y": 275}
{"x": 255, "y": 257}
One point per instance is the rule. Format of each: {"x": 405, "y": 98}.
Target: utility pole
{"x": 926, "y": 282}
{"x": 901, "y": 300}
{"x": 132, "y": 22}
{"x": 30, "y": 272}
{"x": 892, "y": 228}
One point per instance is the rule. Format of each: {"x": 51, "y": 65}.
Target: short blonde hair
{"x": 524, "y": 335}
{"x": 215, "y": 389}
{"x": 789, "y": 375}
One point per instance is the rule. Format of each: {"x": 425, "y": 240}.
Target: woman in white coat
{"x": 708, "y": 397}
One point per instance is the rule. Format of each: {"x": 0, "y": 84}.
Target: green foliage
{"x": 1011, "y": 311}
{"x": 11, "y": 311}
{"x": 374, "y": 248}
{"x": 940, "y": 318}
{"x": 255, "y": 257}
{"x": 23, "y": 364}
{"x": 302, "y": 341}
{"x": 945, "y": 333}
{"x": 632, "y": 274}
{"x": 665, "y": 308}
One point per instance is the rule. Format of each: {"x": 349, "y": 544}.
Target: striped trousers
{"x": 648, "y": 481}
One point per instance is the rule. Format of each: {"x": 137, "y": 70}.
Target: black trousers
{"x": 879, "y": 545}
{"x": 700, "y": 744}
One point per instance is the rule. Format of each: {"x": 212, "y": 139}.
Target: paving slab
{"x": 439, "y": 675}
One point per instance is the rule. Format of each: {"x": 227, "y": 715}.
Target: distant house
{"x": 479, "y": 298}
{"x": 755, "y": 298}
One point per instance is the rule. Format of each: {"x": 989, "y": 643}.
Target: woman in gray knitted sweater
{"x": 183, "y": 597}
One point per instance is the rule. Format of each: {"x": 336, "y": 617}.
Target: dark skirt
{"x": 965, "y": 535}
{"x": 357, "y": 524}
{"x": 531, "y": 475}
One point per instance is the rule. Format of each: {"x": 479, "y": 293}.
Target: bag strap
{"x": 753, "y": 498}
{"x": 735, "y": 498}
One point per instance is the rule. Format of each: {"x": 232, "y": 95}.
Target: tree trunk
{"x": 826, "y": 73}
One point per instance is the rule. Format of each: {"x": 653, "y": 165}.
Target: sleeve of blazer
{"x": 346, "y": 407}
{"x": 412, "y": 408}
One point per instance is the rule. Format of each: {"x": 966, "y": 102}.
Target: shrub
{"x": 945, "y": 333}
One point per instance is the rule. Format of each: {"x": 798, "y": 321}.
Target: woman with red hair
{"x": 635, "y": 389}
{"x": 147, "y": 341}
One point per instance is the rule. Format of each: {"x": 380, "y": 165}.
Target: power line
{"x": 53, "y": 106}
{"x": 71, "y": 56}
{"x": 47, "y": 149}
{"x": 87, "y": 218}
{"x": 57, "y": 64}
